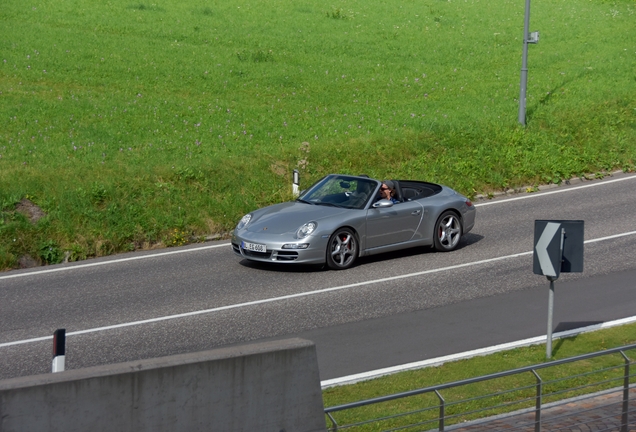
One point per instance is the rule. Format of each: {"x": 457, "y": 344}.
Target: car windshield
{"x": 340, "y": 191}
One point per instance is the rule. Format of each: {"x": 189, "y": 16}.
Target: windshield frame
{"x": 341, "y": 190}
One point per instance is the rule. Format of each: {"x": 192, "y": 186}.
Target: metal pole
{"x": 442, "y": 411}
{"x": 625, "y": 413}
{"x": 538, "y": 403}
{"x": 524, "y": 67}
{"x": 333, "y": 422}
{"x": 548, "y": 345}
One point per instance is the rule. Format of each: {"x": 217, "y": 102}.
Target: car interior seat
{"x": 363, "y": 189}
{"x": 408, "y": 194}
{"x": 398, "y": 191}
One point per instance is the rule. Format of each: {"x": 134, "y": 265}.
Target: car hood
{"x": 288, "y": 217}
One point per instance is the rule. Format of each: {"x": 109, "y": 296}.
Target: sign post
{"x": 528, "y": 38}
{"x": 558, "y": 248}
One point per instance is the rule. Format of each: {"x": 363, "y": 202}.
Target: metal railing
{"x": 526, "y": 396}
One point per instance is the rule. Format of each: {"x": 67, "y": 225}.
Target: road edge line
{"x": 365, "y": 376}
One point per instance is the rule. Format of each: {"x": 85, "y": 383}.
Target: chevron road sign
{"x": 558, "y": 247}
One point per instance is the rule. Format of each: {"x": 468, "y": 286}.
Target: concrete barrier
{"x": 272, "y": 386}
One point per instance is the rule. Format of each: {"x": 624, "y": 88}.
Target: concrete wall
{"x": 273, "y": 386}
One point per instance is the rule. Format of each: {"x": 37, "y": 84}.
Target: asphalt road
{"x": 388, "y": 310}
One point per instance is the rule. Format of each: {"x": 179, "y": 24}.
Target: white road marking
{"x": 544, "y": 193}
{"x": 292, "y": 296}
{"x": 364, "y": 376}
{"x": 115, "y": 261}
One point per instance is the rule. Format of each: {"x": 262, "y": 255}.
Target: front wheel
{"x": 448, "y": 231}
{"x": 342, "y": 249}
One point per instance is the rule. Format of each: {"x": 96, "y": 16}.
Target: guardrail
{"x": 525, "y": 393}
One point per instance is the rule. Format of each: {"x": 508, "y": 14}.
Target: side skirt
{"x": 396, "y": 246}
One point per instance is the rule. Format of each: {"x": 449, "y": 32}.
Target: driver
{"x": 387, "y": 191}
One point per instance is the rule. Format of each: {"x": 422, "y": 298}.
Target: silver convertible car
{"x": 342, "y": 217}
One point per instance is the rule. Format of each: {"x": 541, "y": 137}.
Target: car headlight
{"x": 244, "y": 221}
{"x": 306, "y": 230}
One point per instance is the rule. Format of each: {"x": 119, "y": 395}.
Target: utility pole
{"x": 528, "y": 38}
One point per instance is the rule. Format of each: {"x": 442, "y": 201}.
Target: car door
{"x": 391, "y": 225}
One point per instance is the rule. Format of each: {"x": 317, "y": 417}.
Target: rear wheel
{"x": 448, "y": 231}
{"x": 342, "y": 249}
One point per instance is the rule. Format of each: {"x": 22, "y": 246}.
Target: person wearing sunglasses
{"x": 387, "y": 191}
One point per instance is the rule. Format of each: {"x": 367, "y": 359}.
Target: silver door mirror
{"x": 383, "y": 203}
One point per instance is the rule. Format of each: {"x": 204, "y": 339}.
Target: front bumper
{"x": 315, "y": 253}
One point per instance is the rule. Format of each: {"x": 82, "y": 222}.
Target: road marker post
{"x": 59, "y": 346}
{"x": 558, "y": 248}
{"x": 296, "y": 183}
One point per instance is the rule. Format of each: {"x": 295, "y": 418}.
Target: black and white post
{"x": 59, "y": 346}
{"x": 296, "y": 183}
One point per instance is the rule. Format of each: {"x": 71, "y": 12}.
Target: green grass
{"x": 135, "y": 124}
{"x": 557, "y": 388}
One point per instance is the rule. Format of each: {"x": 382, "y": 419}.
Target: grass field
{"x": 560, "y": 382}
{"x": 135, "y": 125}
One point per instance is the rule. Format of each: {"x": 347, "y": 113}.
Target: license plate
{"x": 254, "y": 247}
